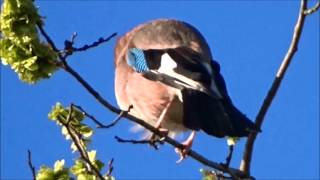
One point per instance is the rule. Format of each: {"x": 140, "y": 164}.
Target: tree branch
{"x": 69, "y": 49}
{"x": 246, "y": 161}
{"x": 110, "y": 167}
{"x": 313, "y": 9}
{"x": 94, "y": 44}
{"x": 33, "y": 171}
{"x": 77, "y": 141}
{"x": 100, "y": 124}
{"x": 153, "y": 143}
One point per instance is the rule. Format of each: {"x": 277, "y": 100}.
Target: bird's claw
{"x": 183, "y": 152}
{"x": 186, "y": 147}
{"x": 162, "y": 132}
{"x": 156, "y": 139}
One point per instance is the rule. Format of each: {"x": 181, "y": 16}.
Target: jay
{"x": 164, "y": 68}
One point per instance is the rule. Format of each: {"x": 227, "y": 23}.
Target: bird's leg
{"x": 163, "y": 132}
{"x": 228, "y": 158}
{"x": 186, "y": 147}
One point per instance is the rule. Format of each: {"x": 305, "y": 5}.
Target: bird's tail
{"x": 217, "y": 117}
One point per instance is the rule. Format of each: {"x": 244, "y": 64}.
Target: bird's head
{"x": 137, "y": 60}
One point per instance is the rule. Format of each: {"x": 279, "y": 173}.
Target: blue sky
{"x": 249, "y": 39}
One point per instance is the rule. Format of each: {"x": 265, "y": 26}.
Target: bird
{"x": 164, "y": 69}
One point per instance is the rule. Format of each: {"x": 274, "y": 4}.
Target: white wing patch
{"x": 168, "y": 65}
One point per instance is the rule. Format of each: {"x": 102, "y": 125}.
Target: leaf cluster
{"x": 60, "y": 115}
{"x": 72, "y": 119}
{"x": 20, "y": 45}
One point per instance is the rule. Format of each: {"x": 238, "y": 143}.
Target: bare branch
{"x": 118, "y": 118}
{"x": 68, "y": 45}
{"x": 100, "y": 124}
{"x": 152, "y": 143}
{"x": 221, "y": 176}
{"x": 94, "y": 44}
{"x": 313, "y": 9}
{"x": 69, "y": 49}
{"x": 110, "y": 167}
{"x": 33, "y": 171}
{"x": 47, "y": 37}
{"x": 246, "y": 161}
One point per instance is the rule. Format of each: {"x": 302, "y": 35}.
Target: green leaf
{"x": 78, "y": 168}
{"x": 64, "y": 131}
{"x": 74, "y": 148}
{"x": 45, "y": 173}
{"x": 86, "y": 177}
{"x": 85, "y": 131}
{"x": 208, "y": 175}
{"x": 92, "y": 155}
{"x": 58, "y": 165}
{"x": 30, "y": 63}
{"x": 98, "y": 164}
{"x": 59, "y": 173}
{"x": 58, "y": 112}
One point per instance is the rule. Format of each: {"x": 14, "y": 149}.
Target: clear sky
{"x": 249, "y": 39}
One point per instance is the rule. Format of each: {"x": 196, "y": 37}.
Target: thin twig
{"x": 77, "y": 141}
{"x": 94, "y": 44}
{"x": 233, "y": 176}
{"x": 229, "y": 157}
{"x": 246, "y": 161}
{"x": 196, "y": 156}
{"x": 47, "y": 37}
{"x": 33, "y": 170}
{"x": 153, "y": 143}
{"x": 69, "y": 49}
{"x": 68, "y": 46}
{"x": 313, "y": 9}
{"x": 110, "y": 167}
{"x": 117, "y": 119}
{"x": 100, "y": 124}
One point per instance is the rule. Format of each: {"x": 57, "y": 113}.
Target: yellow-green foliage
{"x": 208, "y": 175}
{"x": 20, "y": 46}
{"x": 60, "y": 114}
{"x": 59, "y": 172}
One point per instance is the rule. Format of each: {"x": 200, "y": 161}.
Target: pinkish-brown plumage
{"x": 150, "y": 98}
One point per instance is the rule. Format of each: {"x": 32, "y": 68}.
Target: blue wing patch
{"x": 136, "y": 59}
